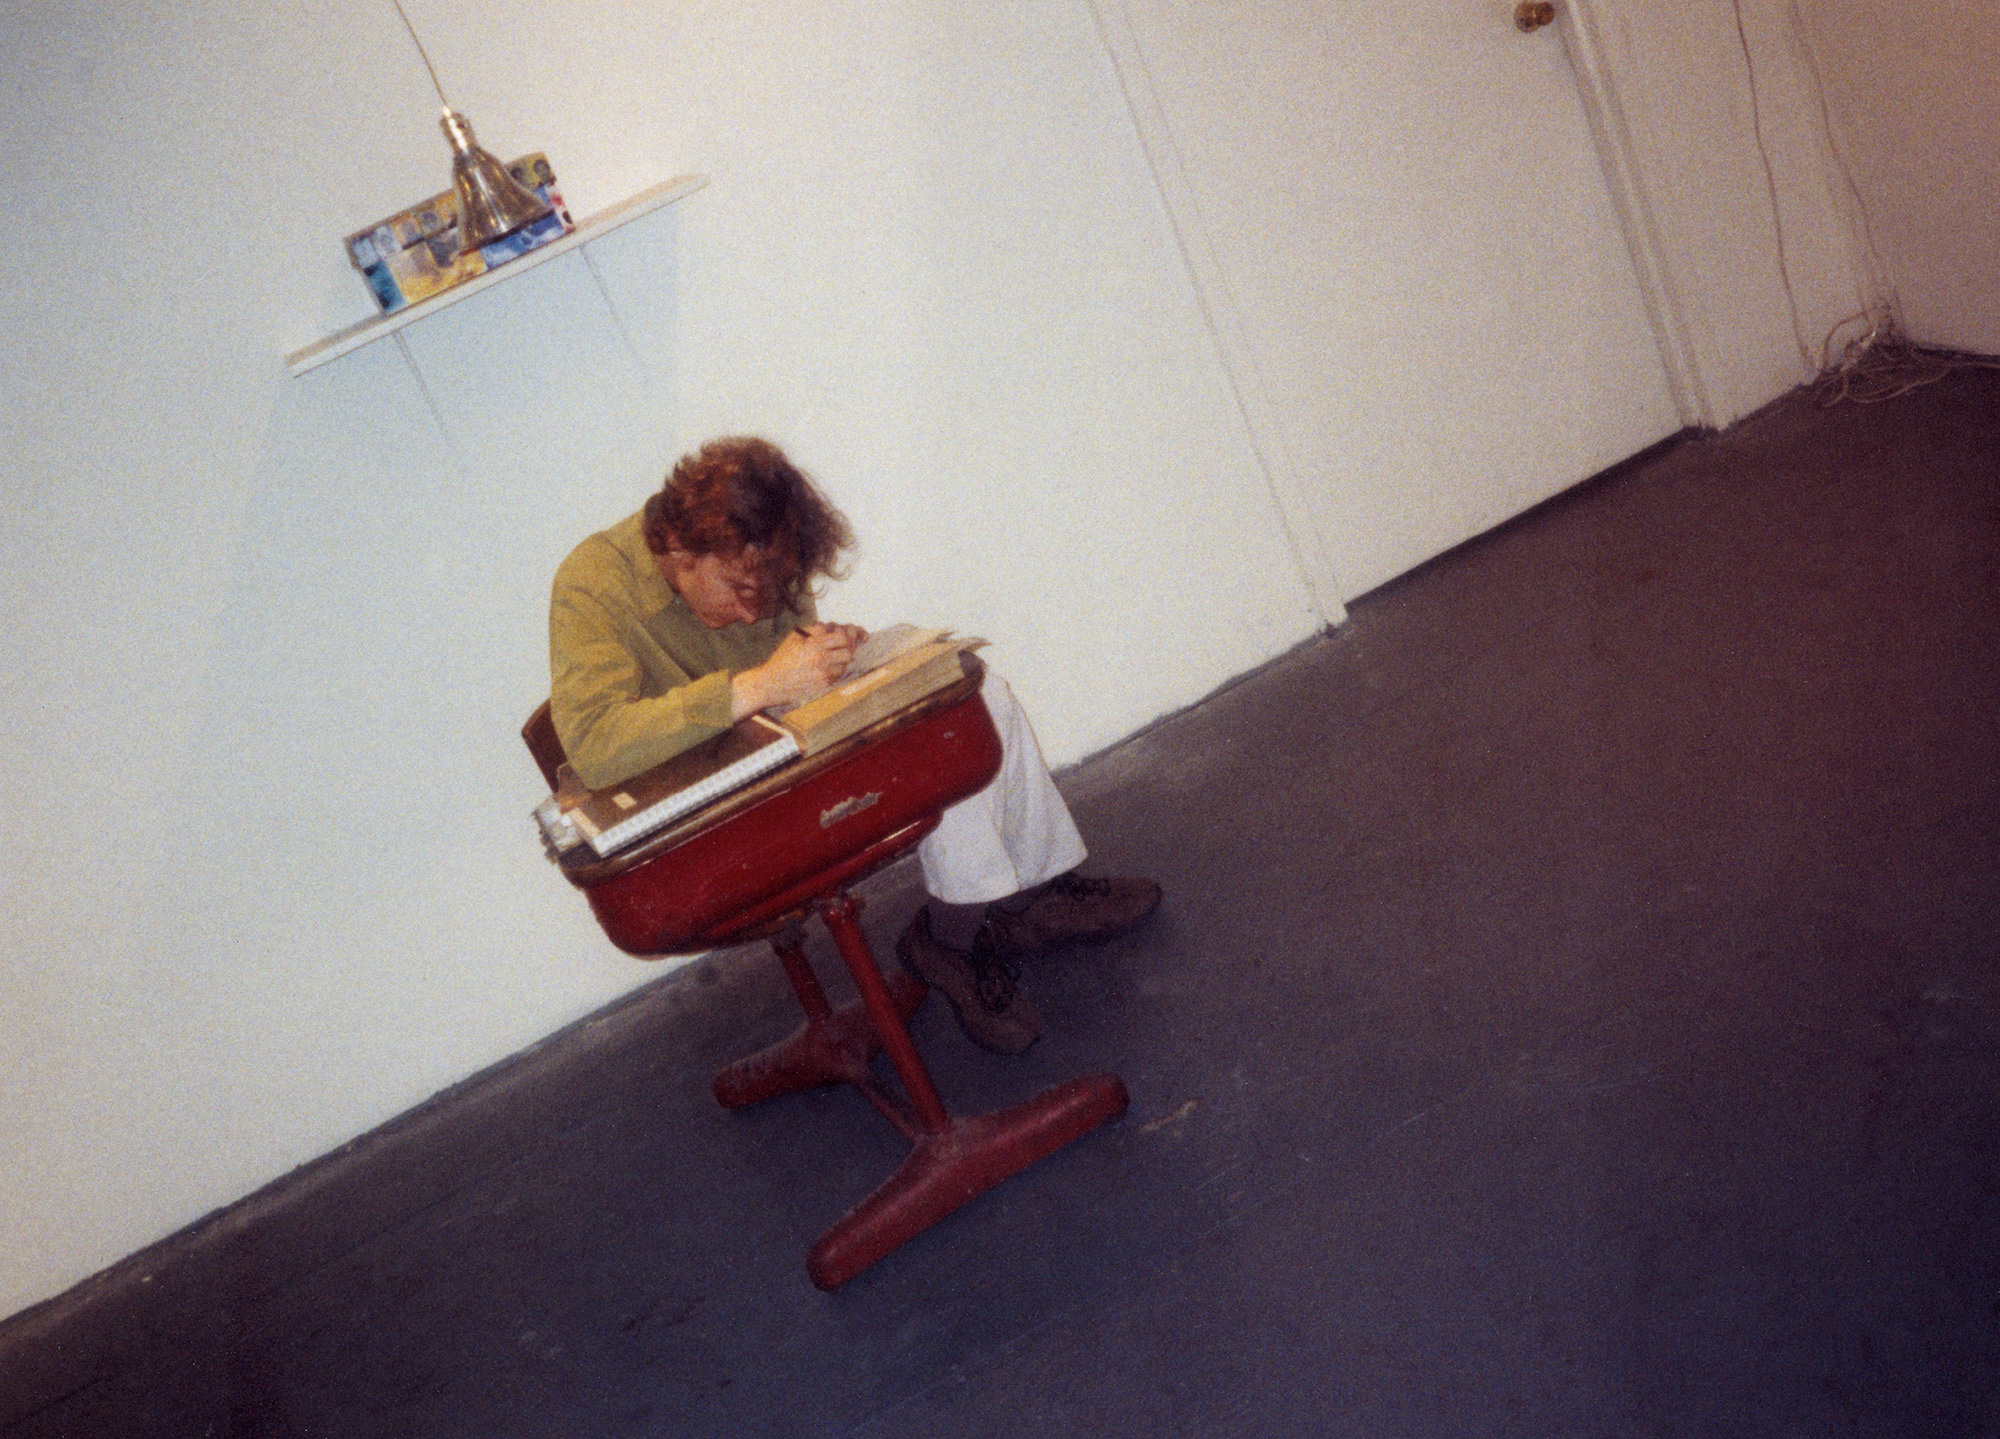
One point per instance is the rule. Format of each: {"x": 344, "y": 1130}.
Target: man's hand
{"x": 805, "y": 664}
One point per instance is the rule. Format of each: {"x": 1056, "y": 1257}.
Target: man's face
{"x": 721, "y": 590}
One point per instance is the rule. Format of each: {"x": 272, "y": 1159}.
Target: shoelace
{"x": 1077, "y": 886}
{"x": 993, "y": 974}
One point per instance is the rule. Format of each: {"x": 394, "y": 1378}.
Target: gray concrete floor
{"x": 1574, "y": 1012}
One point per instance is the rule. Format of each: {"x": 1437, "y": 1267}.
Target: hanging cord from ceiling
{"x": 424, "y": 54}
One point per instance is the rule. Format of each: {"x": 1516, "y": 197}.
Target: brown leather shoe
{"x": 1071, "y": 909}
{"x": 979, "y": 985}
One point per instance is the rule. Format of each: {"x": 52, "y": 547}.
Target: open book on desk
{"x": 890, "y": 671}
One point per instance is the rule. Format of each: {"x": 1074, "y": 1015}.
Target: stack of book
{"x": 415, "y": 254}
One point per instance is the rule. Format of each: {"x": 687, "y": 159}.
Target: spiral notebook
{"x": 610, "y": 819}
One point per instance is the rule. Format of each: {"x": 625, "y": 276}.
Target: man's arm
{"x": 805, "y": 663}
{"x": 610, "y": 728}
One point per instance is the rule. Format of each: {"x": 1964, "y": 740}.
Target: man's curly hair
{"x": 742, "y": 491}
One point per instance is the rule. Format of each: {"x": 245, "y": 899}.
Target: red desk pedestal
{"x": 753, "y": 865}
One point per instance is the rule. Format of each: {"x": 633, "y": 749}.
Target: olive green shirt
{"x": 634, "y": 677}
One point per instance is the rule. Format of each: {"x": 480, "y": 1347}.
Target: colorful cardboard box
{"x": 414, "y": 254}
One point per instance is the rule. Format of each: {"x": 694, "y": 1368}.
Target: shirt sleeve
{"x": 610, "y": 729}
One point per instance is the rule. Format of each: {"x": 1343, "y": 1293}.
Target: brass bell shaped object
{"x": 491, "y": 202}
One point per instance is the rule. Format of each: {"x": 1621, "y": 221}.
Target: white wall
{"x": 1711, "y": 117}
{"x": 1430, "y": 279}
{"x": 269, "y": 640}
{"x": 1807, "y": 171}
{"x": 1914, "y": 92}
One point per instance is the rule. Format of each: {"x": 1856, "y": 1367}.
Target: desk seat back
{"x": 540, "y": 734}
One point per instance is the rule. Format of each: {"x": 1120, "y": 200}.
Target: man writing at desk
{"x": 683, "y": 618}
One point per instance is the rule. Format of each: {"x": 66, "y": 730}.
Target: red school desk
{"x": 759, "y": 861}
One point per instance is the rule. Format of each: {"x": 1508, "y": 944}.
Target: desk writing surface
{"x": 585, "y": 869}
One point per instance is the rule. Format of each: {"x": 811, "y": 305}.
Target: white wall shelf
{"x": 352, "y": 338}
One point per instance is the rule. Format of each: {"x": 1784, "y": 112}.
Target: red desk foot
{"x": 832, "y": 1049}
{"x": 949, "y": 1169}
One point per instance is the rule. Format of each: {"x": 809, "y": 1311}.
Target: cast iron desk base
{"x": 753, "y": 865}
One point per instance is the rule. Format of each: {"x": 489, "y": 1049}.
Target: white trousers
{"x": 1013, "y": 834}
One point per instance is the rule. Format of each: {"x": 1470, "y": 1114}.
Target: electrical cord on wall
{"x": 1880, "y": 305}
{"x": 1771, "y": 184}
{"x": 1879, "y": 362}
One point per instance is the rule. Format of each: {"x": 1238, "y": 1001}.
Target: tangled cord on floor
{"x": 1882, "y": 365}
